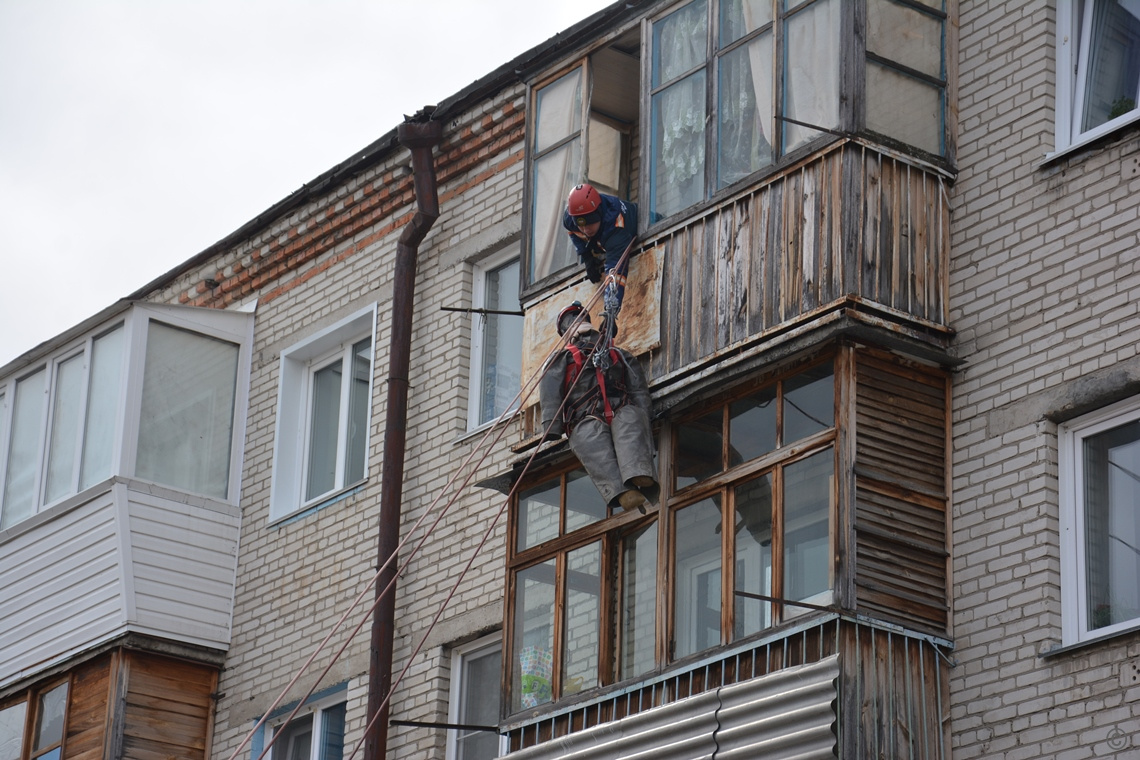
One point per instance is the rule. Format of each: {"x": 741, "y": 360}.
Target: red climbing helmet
{"x": 567, "y": 316}
{"x": 583, "y": 200}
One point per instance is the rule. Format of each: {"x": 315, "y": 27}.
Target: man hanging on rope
{"x": 606, "y": 412}
{"x": 603, "y": 228}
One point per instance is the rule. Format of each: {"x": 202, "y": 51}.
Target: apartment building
{"x": 882, "y": 292}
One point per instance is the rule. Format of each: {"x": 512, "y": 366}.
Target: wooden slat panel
{"x": 87, "y": 713}
{"x": 168, "y": 709}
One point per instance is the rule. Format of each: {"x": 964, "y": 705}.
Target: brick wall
{"x": 1045, "y": 285}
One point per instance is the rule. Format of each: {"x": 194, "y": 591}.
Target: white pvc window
{"x": 476, "y": 670}
{"x": 316, "y": 733}
{"x": 1100, "y": 522}
{"x": 323, "y": 413}
{"x": 496, "y": 346}
{"x": 1098, "y": 68}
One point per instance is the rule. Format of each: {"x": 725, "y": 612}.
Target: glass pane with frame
{"x": 187, "y": 410}
{"x": 680, "y": 42}
{"x": 697, "y": 582}
{"x": 324, "y": 429}
{"x": 502, "y": 338}
{"x": 1112, "y": 525}
{"x": 807, "y": 490}
{"x": 753, "y": 537}
{"x": 533, "y": 665}
{"x": 905, "y": 35}
{"x": 903, "y": 107}
{"x": 558, "y": 110}
{"x": 699, "y": 451}
{"x": 811, "y": 76}
{"x": 809, "y": 403}
{"x": 584, "y": 505}
{"x": 741, "y": 17}
{"x": 752, "y": 425}
{"x": 677, "y": 178}
{"x": 332, "y": 732}
{"x": 102, "y": 407}
{"x": 24, "y": 449}
{"x": 538, "y": 514}
{"x": 580, "y": 655}
{"x": 745, "y": 125}
{"x": 51, "y": 708}
{"x": 638, "y": 602}
{"x": 295, "y": 740}
{"x": 66, "y": 410}
{"x": 479, "y": 704}
{"x": 1112, "y": 66}
{"x": 359, "y": 402}
{"x": 12, "y": 720}
{"x": 554, "y": 174}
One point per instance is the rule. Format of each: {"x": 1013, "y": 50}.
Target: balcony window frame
{"x": 123, "y": 398}
{"x": 1076, "y": 627}
{"x": 292, "y": 439}
{"x": 1073, "y": 38}
{"x": 32, "y": 700}
{"x": 461, "y": 657}
{"x": 529, "y": 550}
{"x": 481, "y": 271}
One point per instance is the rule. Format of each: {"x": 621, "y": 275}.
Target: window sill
{"x": 1078, "y": 645}
{"x": 1089, "y": 141}
{"x": 303, "y": 512}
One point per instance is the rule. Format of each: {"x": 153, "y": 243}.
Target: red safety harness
{"x": 574, "y": 370}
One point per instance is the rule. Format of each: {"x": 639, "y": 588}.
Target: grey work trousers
{"x": 614, "y": 454}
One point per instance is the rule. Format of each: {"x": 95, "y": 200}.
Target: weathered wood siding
{"x": 850, "y": 221}
{"x": 900, "y": 501}
{"x": 87, "y": 711}
{"x": 167, "y": 709}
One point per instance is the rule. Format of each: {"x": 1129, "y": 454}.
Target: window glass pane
{"x": 696, "y": 624}
{"x": 807, "y": 511}
{"x": 752, "y": 425}
{"x": 582, "y": 618}
{"x": 700, "y": 446}
{"x": 502, "y": 342}
{"x": 102, "y": 407}
{"x": 745, "y": 110}
{"x": 187, "y": 410}
{"x": 678, "y": 166}
{"x": 905, "y": 35}
{"x": 753, "y": 555}
{"x": 324, "y": 430}
{"x": 534, "y": 636}
{"x": 558, "y": 108}
{"x": 554, "y": 175}
{"x": 904, "y": 108}
{"x": 359, "y": 403}
{"x": 811, "y": 80}
{"x": 809, "y": 403}
{"x": 739, "y": 17}
{"x": 295, "y": 740}
{"x": 49, "y": 718}
{"x": 479, "y": 705}
{"x": 66, "y": 408}
{"x": 1112, "y": 525}
{"x": 1112, "y": 71}
{"x": 332, "y": 732}
{"x": 24, "y": 449}
{"x": 680, "y": 42}
{"x": 538, "y": 514}
{"x": 584, "y": 505}
{"x": 638, "y": 602}
{"x": 12, "y": 730}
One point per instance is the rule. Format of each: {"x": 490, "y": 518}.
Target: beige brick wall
{"x": 1045, "y": 284}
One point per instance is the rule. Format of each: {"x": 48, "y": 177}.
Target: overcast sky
{"x": 136, "y": 133}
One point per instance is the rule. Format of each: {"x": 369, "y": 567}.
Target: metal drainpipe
{"x": 420, "y": 135}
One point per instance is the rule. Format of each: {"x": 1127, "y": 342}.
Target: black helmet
{"x": 567, "y": 316}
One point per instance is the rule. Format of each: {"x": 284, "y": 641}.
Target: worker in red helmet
{"x": 605, "y": 414}
{"x": 603, "y": 228}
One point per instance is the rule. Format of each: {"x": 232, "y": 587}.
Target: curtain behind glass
{"x": 12, "y": 720}
{"x": 811, "y": 77}
{"x": 1112, "y": 525}
{"x": 187, "y": 410}
{"x": 63, "y": 439}
{"x": 558, "y": 114}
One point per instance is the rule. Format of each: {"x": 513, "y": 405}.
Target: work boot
{"x": 632, "y": 499}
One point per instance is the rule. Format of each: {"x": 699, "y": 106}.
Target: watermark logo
{"x": 1117, "y": 739}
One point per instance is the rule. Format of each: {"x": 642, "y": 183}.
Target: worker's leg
{"x": 592, "y": 444}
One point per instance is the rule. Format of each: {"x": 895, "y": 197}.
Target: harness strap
{"x": 574, "y": 371}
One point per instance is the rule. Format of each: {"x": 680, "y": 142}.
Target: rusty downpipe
{"x": 420, "y": 135}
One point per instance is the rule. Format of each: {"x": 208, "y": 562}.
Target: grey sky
{"x": 136, "y": 133}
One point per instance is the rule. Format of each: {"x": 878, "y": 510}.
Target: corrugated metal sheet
{"x": 787, "y": 714}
